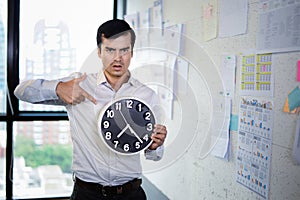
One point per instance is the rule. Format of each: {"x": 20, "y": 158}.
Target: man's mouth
{"x": 117, "y": 67}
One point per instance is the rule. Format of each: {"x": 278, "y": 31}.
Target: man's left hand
{"x": 159, "y": 135}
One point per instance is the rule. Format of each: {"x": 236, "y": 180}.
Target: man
{"x": 99, "y": 172}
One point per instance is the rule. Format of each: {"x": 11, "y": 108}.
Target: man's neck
{"x": 117, "y": 82}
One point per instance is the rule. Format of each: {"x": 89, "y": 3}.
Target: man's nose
{"x": 117, "y": 55}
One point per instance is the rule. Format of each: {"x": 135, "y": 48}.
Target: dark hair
{"x": 114, "y": 28}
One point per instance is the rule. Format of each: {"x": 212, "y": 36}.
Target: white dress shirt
{"x": 93, "y": 161}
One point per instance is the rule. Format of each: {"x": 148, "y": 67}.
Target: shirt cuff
{"x": 49, "y": 91}
{"x": 154, "y": 155}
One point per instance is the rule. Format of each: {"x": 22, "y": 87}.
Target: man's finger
{"x": 89, "y": 97}
{"x": 83, "y": 92}
{"x": 81, "y": 78}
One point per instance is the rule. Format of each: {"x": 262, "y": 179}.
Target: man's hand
{"x": 159, "y": 135}
{"x": 71, "y": 93}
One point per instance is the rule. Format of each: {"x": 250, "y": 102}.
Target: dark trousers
{"x": 82, "y": 193}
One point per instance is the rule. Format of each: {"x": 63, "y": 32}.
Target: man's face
{"x": 116, "y": 55}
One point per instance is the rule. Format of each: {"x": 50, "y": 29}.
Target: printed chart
{"x": 256, "y": 75}
{"x": 254, "y": 145}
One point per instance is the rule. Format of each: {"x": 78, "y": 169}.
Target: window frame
{"x": 15, "y": 115}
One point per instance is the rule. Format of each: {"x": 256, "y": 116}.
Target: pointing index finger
{"x": 89, "y": 97}
{"x": 84, "y": 93}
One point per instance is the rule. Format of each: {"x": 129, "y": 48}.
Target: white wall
{"x": 191, "y": 176}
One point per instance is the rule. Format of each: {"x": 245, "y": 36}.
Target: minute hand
{"x": 131, "y": 130}
{"x": 123, "y": 117}
{"x": 134, "y": 133}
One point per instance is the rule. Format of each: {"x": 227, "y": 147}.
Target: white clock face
{"x": 126, "y": 125}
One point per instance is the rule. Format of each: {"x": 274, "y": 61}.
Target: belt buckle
{"x": 104, "y": 192}
{"x": 119, "y": 189}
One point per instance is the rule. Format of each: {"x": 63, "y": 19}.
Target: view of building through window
{"x": 3, "y": 34}
{"x": 2, "y": 160}
{"x": 56, "y": 36}
{"x": 42, "y": 159}
{"x": 55, "y": 45}
{"x": 3, "y": 30}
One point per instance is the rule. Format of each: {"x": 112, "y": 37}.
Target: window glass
{"x": 3, "y": 36}
{"x": 2, "y": 160}
{"x": 42, "y": 159}
{"x": 56, "y": 36}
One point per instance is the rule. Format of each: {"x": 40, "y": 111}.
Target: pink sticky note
{"x": 298, "y": 72}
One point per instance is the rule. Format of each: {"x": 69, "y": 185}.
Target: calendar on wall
{"x": 254, "y": 145}
{"x": 257, "y": 76}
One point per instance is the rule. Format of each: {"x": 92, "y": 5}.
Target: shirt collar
{"x": 101, "y": 79}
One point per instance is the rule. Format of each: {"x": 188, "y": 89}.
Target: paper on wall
{"x": 233, "y": 17}
{"x": 228, "y": 74}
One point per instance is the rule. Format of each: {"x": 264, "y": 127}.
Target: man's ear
{"x": 99, "y": 52}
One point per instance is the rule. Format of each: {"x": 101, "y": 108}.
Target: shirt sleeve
{"x": 154, "y": 155}
{"x": 39, "y": 91}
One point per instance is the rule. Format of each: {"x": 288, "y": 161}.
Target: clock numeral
{"x": 126, "y": 147}
{"x": 116, "y": 142}
{"x": 106, "y": 124}
{"x": 118, "y": 106}
{"x": 129, "y": 103}
{"x": 146, "y": 137}
{"x": 149, "y": 127}
{"x": 108, "y": 135}
{"x": 147, "y": 116}
{"x": 110, "y": 114}
{"x": 137, "y": 145}
{"x": 140, "y": 107}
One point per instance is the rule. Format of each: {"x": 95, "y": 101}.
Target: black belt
{"x": 110, "y": 190}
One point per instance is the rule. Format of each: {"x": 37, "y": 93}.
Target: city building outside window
{"x": 3, "y": 42}
{"x": 51, "y": 46}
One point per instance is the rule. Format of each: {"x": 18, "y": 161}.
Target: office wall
{"x": 192, "y": 176}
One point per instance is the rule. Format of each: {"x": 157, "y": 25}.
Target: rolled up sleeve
{"x": 154, "y": 155}
{"x": 38, "y": 91}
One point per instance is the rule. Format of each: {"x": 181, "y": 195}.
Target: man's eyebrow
{"x": 125, "y": 48}
{"x": 109, "y": 48}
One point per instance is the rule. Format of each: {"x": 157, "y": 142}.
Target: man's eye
{"x": 124, "y": 50}
{"x": 110, "y": 50}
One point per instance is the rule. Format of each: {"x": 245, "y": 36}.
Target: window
{"x": 3, "y": 34}
{"x": 3, "y": 31}
{"x": 42, "y": 159}
{"x": 41, "y": 39}
{"x": 52, "y": 46}
{"x": 55, "y": 45}
{"x": 2, "y": 160}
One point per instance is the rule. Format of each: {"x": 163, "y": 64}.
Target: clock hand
{"x": 124, "y": 129}
{"x": 131, "y": 130}
{"x": 123, "y": 117}
{"x": 134, "y": 133}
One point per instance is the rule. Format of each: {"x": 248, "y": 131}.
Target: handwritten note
{"x": 210, "y": 20}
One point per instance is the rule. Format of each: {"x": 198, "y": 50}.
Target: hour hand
{"x": 123, "y": 131}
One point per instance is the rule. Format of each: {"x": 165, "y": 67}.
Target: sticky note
{"x": 234, "y": 122}
{"x": 294, "y": 98}
{"x": 298, "y": 71}
{"x": 286, "y": 107}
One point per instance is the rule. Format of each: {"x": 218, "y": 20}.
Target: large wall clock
{"x": 126, "y": 125}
